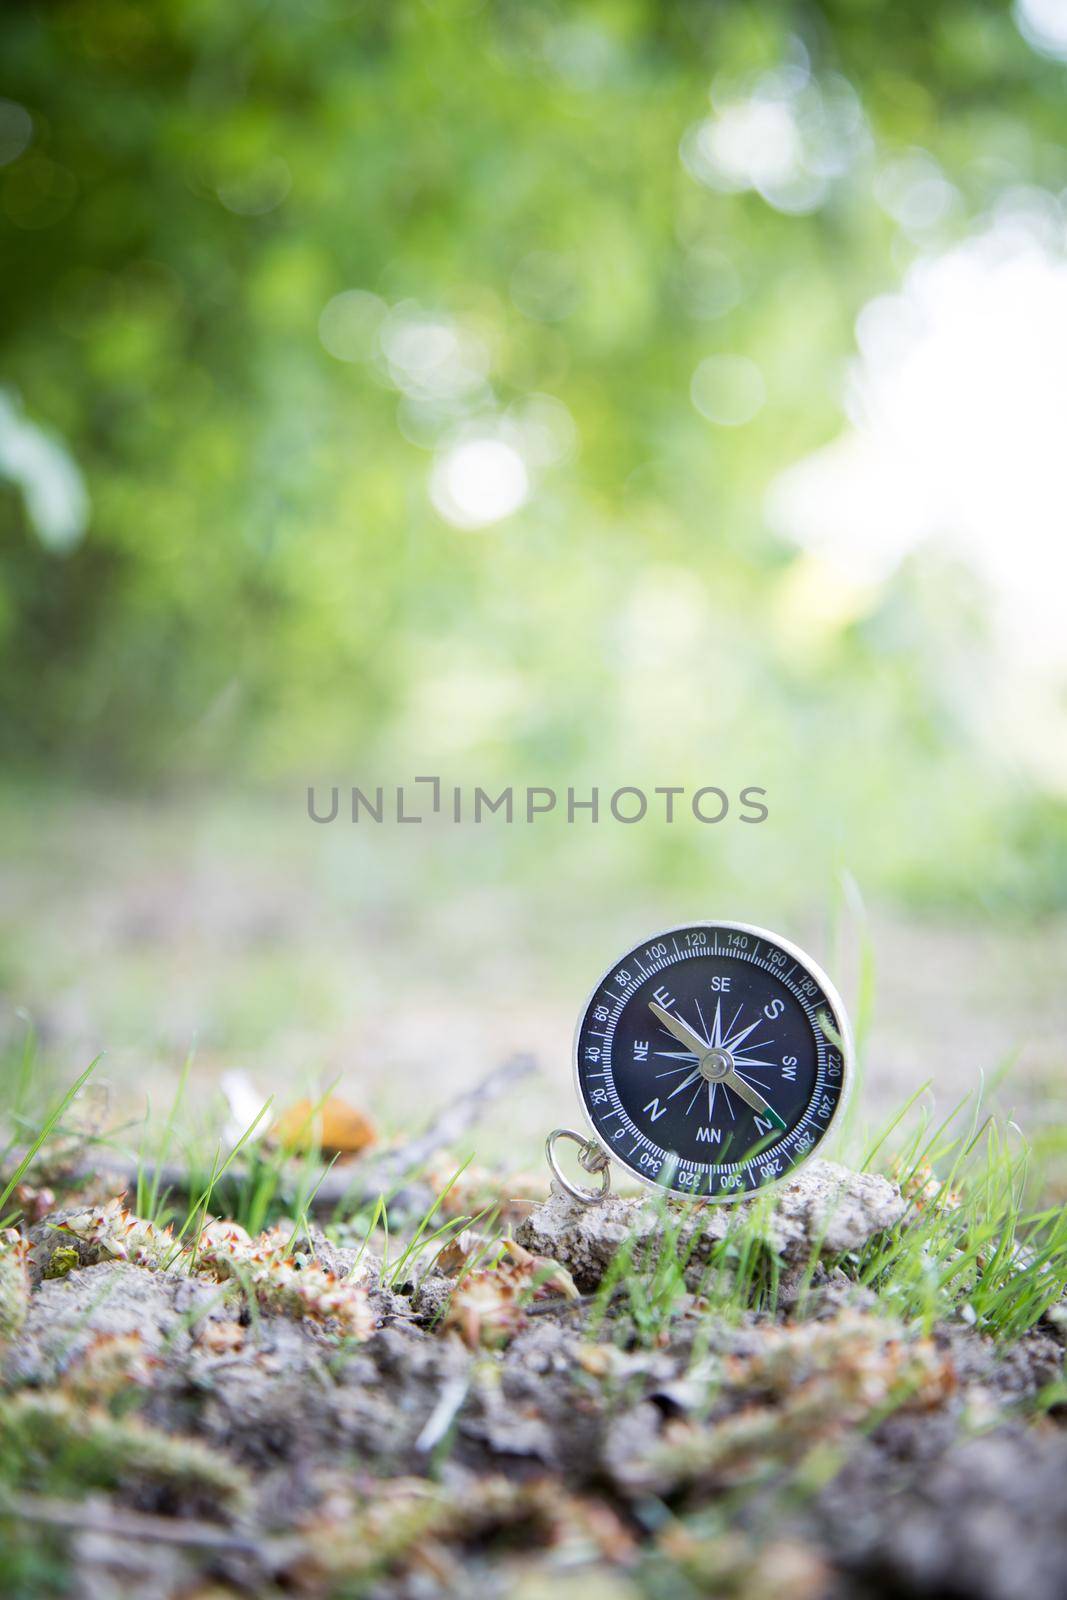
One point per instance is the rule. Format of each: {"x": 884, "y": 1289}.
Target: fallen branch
{"x": 381, "y": 1174}
{"x": 355, "y": 1183}
{"x": 97, "y": 1515}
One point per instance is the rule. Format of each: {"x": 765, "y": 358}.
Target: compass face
{"x": 712, "y": 1059}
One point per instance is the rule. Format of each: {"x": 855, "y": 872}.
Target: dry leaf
{"x": 486, "y": 1309}
{"x": 459, "y": 1251}
{"x": 334, "y": 1127}
{"x": 487, "y": 1306}
{"x": 545, "y": 1276}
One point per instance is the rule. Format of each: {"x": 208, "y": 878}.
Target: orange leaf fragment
{"x": 335, "y": 1127}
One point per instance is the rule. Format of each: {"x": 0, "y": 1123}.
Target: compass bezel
{"x": 844, "y": 1028}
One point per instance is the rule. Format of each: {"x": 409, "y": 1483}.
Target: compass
{"x": 711, "y": 1060}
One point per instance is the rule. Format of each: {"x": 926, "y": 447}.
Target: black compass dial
{"x": 712, "y": 1059}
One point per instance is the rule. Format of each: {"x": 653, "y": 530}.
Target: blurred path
{"x": 124, "y": 936}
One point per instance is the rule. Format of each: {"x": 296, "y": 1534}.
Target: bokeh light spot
{"x": 728, "y": 390}
{"x": 431, "y": 356}
{"x": 959, "y": 415}
{"x": 915, "y": 193}
{"x": 348, "y": 326}
{"x": 545, "y": 430}
{"x": 787, "y": 139}
{"x": 1043, "y": 24}
{"x": 16, "y": 131}
{"x": 260, "y": 189}
{"x": 52, "y": 486}
{"x": 544, "y": 286}
{"x": 478, "y": 481}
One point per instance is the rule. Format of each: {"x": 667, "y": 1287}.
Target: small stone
{"x": 430, "y": 1298}
{"x": 826, "y": 1209}
{"x": 984, "y": 1520}
{"x": 69, "y": 1314}
{"x": 829, "y": 1206}
{"x": 586, "y": 1238}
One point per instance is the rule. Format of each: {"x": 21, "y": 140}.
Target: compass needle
{"x": 681, "y": 1030}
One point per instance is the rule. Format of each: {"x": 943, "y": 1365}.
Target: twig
{"x": 96, "y": 1515}
{"x": 379, "y": 1175}
{"x": 559, "y": 1303}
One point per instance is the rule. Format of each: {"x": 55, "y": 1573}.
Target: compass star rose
{"x": 716, "y": 1058}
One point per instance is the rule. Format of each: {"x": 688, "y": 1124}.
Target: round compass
{"x": 712, "y": 1059}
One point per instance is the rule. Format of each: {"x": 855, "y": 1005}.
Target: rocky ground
{"x": 615, "y": 1401}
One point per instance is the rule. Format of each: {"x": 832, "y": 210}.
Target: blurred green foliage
{"x": 264, "y": 586}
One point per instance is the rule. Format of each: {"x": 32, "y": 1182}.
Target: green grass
{"x": 150, "y": 1204}
{"x": 197, "y": 1216}
{"x": 976, "y": 1243}
{"x": 50, "y": 1125}
{"x": 741, "y": 1271}
{"x": 983, "y": 1240}
{"x": 972, "y": 1243}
